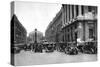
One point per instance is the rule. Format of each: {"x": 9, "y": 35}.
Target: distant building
{"x": 36, "y": 36}
{"x": 18, "y": 32}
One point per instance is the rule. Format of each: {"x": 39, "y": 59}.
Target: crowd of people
{"x": 67, "y": 48}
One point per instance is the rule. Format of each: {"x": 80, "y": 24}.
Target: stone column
{"x": 62, "y": 15}
{"x": 74, "y": 11}
{"x": 86, "y": 31}
{"x": 80, "y": 11}
{"x": 70, "y": 12}
{"x": 80, "y": 31}
{"x": 67, "y": 13}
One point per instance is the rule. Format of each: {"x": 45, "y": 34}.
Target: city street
{"x": 53, "y": 33}
{"x": 31, "y": 58}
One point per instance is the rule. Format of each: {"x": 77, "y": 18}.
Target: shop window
{"x": 76, "y": 36}
{"x": 71, "y": 33}
{"x": 68, "y": 30}
{"x": 90, "y": 33}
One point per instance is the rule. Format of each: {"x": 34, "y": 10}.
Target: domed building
{"x": 36, "y": 36}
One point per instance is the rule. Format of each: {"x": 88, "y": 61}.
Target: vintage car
{"x": 80, "y": 48}
{"x": 61, "y": 47}
{"x": 88, "y": 48}
{"x": 49, "y": 48}
{"x": 71, "y": 50}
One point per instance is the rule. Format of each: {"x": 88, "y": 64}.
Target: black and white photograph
{"x": 53, "y": 33}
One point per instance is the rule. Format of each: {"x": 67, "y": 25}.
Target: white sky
{"x": 35, "y": 15}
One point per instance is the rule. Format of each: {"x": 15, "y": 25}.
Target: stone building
{"x": 79, "y": 23}
{"x": 35, "y": 36}
{"x": 73, "y": 23}
{"x": 53, "y": 32}
{"x": 18, "y": 32}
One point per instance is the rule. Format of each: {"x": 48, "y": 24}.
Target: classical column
{"x": 62, "y": 15}
{"x": 70, "y": 12}
{"x": 67, "y": 13}
{"x": 74, "y": 11}
{"x": 79, "y": 10}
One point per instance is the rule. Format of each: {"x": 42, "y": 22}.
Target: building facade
{"x": 53, "y": 32}
{"x": 79, "y": 23}
{"x": 18, "y": 32}
{"x": 73, "y": 23}
{"x": 35, "y": 36}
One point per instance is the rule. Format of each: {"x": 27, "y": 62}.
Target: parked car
{"x": 61, "y": 47}
{"x": 89, "y": 49}
{"x": 49, "y": 48}
{"x": 38, "y": 48}
{"x": 80, "y": 48}
{"x": 71, "y": 50}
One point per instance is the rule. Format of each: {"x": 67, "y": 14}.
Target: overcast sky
{"x": 36, "y": 15}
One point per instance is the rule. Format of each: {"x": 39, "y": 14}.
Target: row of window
{"x": 19, "y": 39}
{"x": 71, "y": 35}
{"x": 18, "y": 26}
{"x": 20, "y": 33}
